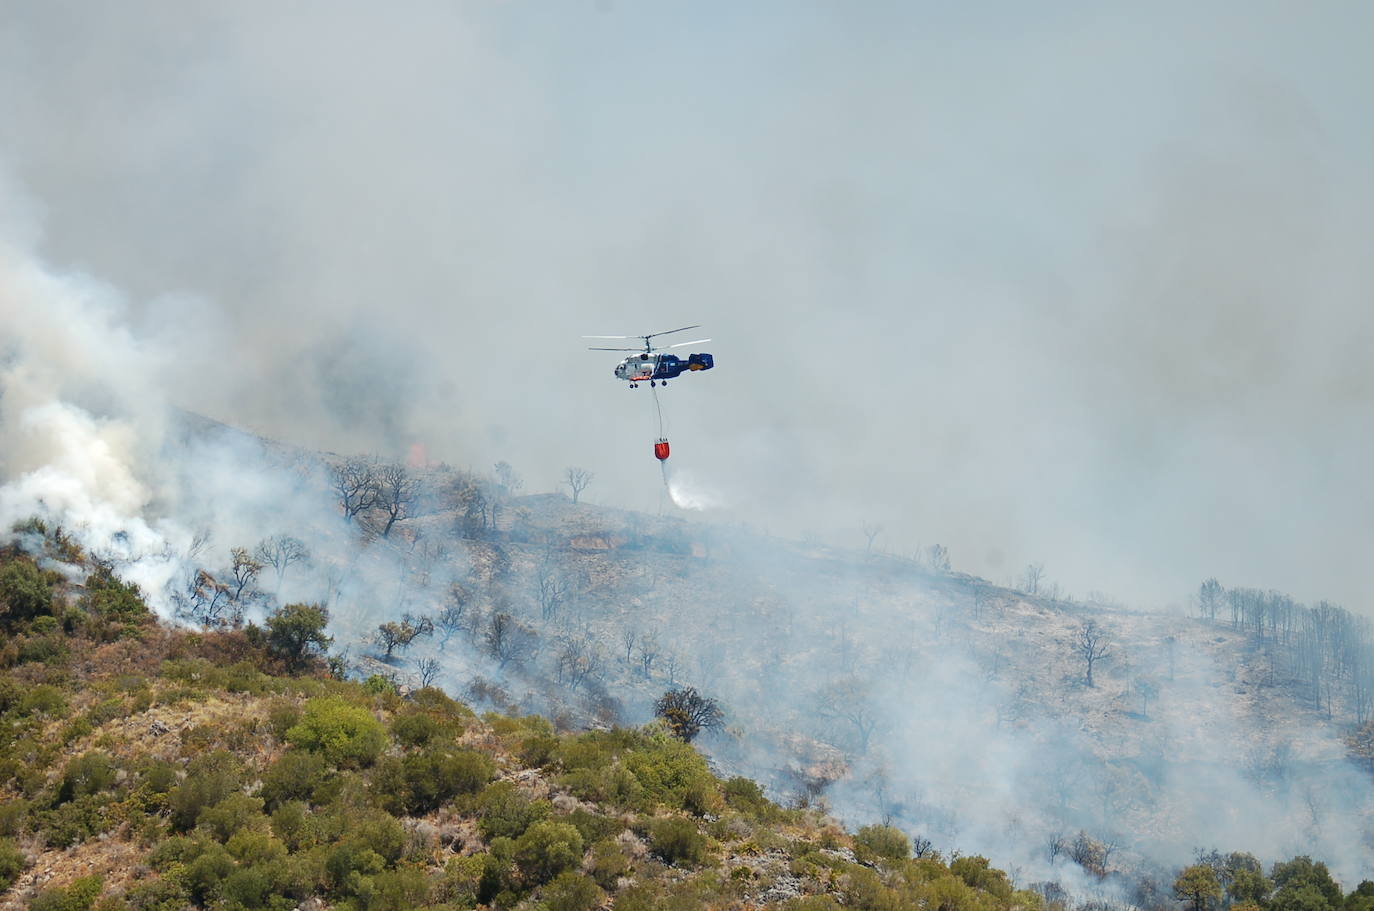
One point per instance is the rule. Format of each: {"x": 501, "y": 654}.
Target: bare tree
{"x": 1210, "y": 596}
{"x": 245, "y": 571}
{"x": 507, "y": 478}
{"x": 450, "y": 620}
{"x": 1093, "y": 643}
{"x": 577, "y": 480}
{"x": 579, "y": 659}
{"x": 871, "y": 532}
{"x": 507, "y": 639}
{"x": 355, "y": 484}
{"x": 649, "y": 651}
{"x": 1031, "y": 577}
{"x": 396, "y": 494}
{"x": 552, "y": 591}
{"x": 846, "y": 701}
{"x": 205, "y": 600}
{"x": 428, "y": 669}
{"x": 1146, "y": 689}
{"x": 937, "y": 558}
{"x": 280, "y": 552}
{"x": 475, "y": 506}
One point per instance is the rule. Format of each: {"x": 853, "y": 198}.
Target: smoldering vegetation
{"x": 886, "y": 688}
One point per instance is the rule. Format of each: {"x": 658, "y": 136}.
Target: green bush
{"x": 744, "y": 795}
{"x": 209, "y": 779}
{"x": 110, "y": 599}
{"x": 422, "y": 782}
{"x": 80, "y": 895}
{"x": 73, "y": 822}
{"x": 677, "y": 841}
{"x": 345, "y": 734}
{"x": 230, "y": 815}
{"x": 667, "y": 770}
{"x": 503, "y": 811}
{"x": 547, "y": 849}
{"x": 296, "y": 632}
{"x": 572, "y": 892}
{"x": 282, "y": 716}
{"x": 593, "y": 826}
{"x": 44, "y": 700}
{"x": 24, "y": 591}
{"x": 159, "y": 776}
{"x": 414, "y": 729}
{"x": 89, "y": 773}
{"x": 12, "y": 863}
{"x": 608, "y": 862}
{"x": 294, "y": 776}
{"x": 976, "y": 871}
{"x": 207, "y": 872}
{"x": 887, "y": 842}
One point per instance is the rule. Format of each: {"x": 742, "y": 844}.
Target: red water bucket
{"x": 661, "y": 450}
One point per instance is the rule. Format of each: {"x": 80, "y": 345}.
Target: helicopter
{"x": 650, "y": 363}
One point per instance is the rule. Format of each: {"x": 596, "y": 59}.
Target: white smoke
{"x": 78, "y": 413}
{"x": 689, "y": 492}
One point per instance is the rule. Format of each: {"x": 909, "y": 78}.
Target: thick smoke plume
{"x": 1087, "y": 289}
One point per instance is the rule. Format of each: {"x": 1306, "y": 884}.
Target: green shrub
{"x": 159, "y": 776}
{"x": 110, "y": 599}
{"x": 667, "y": 770}
{"x": 677, "y": 841}
{"x": 547, "y": 849}
{"x": 593, "y": 826}
{"x": 414, "y": 729}
{"x": 50, "y": 650}
{"x": 44, "y": 700}
{"x": 503, "y": 811}
{"x": 294, "y": 776}
{"x": 209, "y": 779}
{"x": 572, "y": 892}
{"x": 80, "y": 895}
{"x": 978, "y": 873}
{"x": 207, "y": 872}
{"x": 248, "y": 887}
{"x": 292, "y": 824}
{"x": 230, "y": 815}
{"x": 887, "y": 842}
{"x": 12, "y": 863}
{"x": 345, "y": 734}
{"x": 296, "y": 632}
{"x": 89, "y": 773}
{"x": 744, "y": 795}
{"x": 421, "y": 782}
{"x": 282, "y": 716}
{"x": 438, "y": 704}
{"x": 608, "y": 862}
{"x": 538, "y": 750}
{"x": 24, "y": 591}
{"x": 73, "y": 822}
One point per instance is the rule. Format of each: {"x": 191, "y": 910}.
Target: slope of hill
{"x": 874, "y": 687}
{"x": 153, "y": 768}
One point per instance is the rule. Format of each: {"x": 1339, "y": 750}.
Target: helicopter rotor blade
{"x": 685, "y": 344}
{"x": 615, "y": 349}
{"x": 612, "y": 336}
{"x": 669, "y": 332}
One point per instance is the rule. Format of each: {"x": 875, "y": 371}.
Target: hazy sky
{"x": 1071, "y": 283}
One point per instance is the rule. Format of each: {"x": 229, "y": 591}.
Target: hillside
{"x": 878, "y": 687}
{"x": 154, "y": 768}
{"x": 898, "y": 690}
